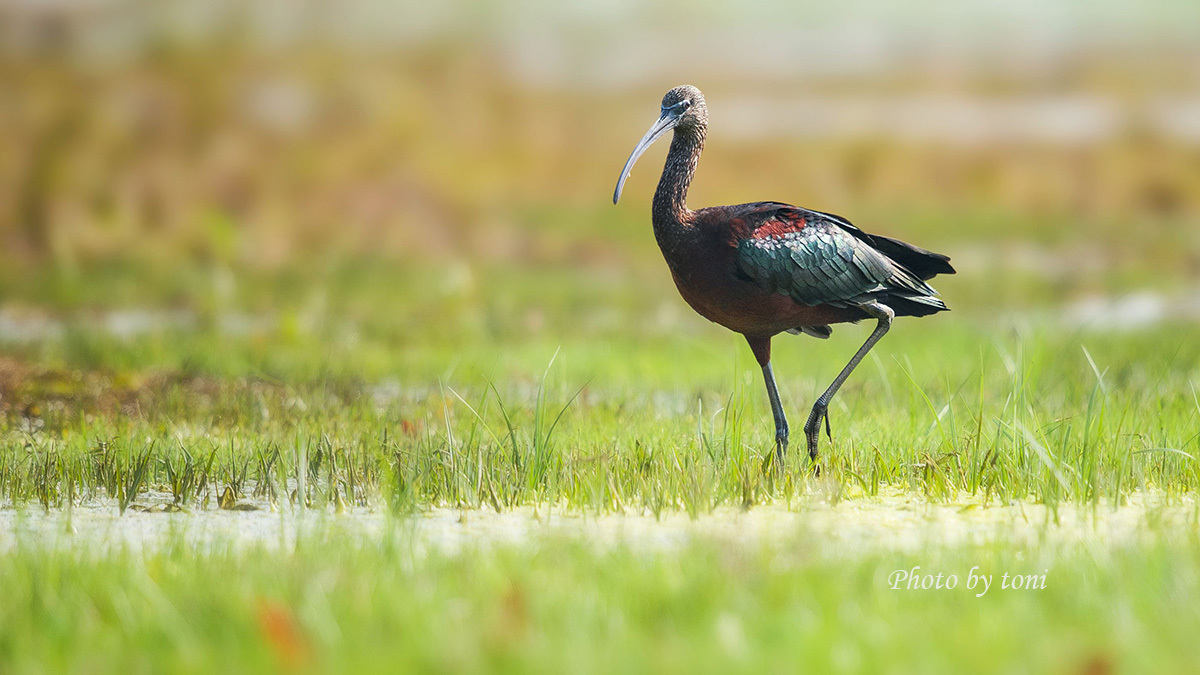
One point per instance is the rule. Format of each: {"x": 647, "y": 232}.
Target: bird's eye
{"x": 685, "y": 104}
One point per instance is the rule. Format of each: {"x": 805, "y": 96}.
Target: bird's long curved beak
{"x": 665, "y": 123}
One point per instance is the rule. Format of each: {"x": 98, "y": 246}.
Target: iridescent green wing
{"x": 815, "y": 261}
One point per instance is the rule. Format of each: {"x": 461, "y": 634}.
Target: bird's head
{"x": 682, "y": 109}
{"x": 686, "y": 104}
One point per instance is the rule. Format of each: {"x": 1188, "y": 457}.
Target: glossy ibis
{"x": 766, "y": 268}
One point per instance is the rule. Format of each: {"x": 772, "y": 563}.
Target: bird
{"x": 765, "y": 268}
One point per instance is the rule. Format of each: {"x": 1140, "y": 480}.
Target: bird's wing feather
{"x": 924, "y": 264}
{"x": 815, "y": 259}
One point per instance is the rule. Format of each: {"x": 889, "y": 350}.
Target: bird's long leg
{"x": 781, "y": 424}
{"x": 820, "y": 409}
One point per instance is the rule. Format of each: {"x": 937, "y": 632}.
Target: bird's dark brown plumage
{"x": 764, "y": 268}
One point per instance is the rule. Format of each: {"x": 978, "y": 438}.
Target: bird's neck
{"x": 670, "y": 199}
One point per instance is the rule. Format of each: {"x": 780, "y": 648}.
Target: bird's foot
{"x": 813, "y": 455}
{"x": 815, "y": 469}
{"x": 775, "y": 459}
{"x": 812, "y": 429}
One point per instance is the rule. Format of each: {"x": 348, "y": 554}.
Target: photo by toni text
{"x": 980, "y": 583}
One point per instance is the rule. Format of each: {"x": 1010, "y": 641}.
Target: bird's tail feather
{"x": 922, "y": 263}
{"x": 914, "y": 305}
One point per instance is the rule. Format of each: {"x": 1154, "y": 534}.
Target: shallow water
{"x": 861, "y": 526}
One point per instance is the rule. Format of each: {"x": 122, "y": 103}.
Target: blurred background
{"x": 396, "y": 186}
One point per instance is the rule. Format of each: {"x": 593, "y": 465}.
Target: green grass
{"x": 600, "y": 403}
{"x": 346, "y": 604}
{"x": 1033, "y": 427}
